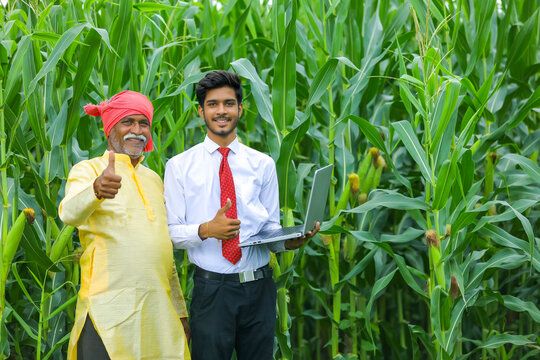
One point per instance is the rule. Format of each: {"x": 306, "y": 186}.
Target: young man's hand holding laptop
{"x": 296, "y": 236}
{"x": 293, "y": 244}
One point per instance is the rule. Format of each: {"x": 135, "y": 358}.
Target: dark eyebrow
{"x": 225, "y": 100}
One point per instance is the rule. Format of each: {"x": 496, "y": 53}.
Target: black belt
{"x": 242, "y": 277}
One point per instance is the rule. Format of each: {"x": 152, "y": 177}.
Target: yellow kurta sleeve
{"x": 80, "y": 200}
{"x": 177, "y": 295}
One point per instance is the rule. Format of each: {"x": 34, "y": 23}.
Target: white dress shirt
{"x": 192, "y": 197}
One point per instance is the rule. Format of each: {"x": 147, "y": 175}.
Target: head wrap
{"x": 118, "y": 107}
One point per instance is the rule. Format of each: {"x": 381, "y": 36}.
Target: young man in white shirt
{"x": 219, "y": 193}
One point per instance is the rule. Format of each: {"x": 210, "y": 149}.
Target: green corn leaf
{"x": 260, "y": 90}
{"x": 499, "y": 340}
{"x": 407, "y": 96}
{"x": 512, "y": 212}
{"x": 407, "y": 276}
{"x": 151, "y": 74}
{"x": 14, "y": 75}
{"x": 529, "y": 166}
{"x": 62, "y": 45}
{"x": 17, "y": 141}
{"x": 505, "y": 239}
{"x": 315, "y": 25}
{"x": 435, "y": 312}
{"x": 357, "y": 269}
{"x": 483, "y": 12}
{"x": 284, "y": 82}
{"x": 408, "y": 137}
{"x": 32, "y": 245}
{"x": 337, "y": 36}
{"x": 379, "y": 286}
{"x": 523, "y": 40}
{"x": 408, "y": 235}
{"x": 33, "y": 100}
{"x": 404, "y": 91}
{"x": 62, "y": 307}
{"x": 46, "y": 36}
{"x": 445, "y": 180}
{"x": 531, "y": 143}
{"x": 322, "y": 81}
{"x": 119, "y": 41}
{"x": 155, "y": 7}
{"x": 451, "y": 95}
{"x": 42, "y": 197}
{"x": 456, "y": 320}
{"x": 505, "y": 258}
{"x": 189, "y": 57}
{"x": 279, "y": 25}
{"x": 420, "y": 7}
{"x": 87, "y": 58}
{"x": 56, "y": 128}
{"x": 284, "y": 166}
{"x": 27, "y": 328}
{"x": 483, "y": 94}
{"x": 358, "y": 83}
{"x": 57, "y": 345}
{"x": 371, "y": 133}
{"x": 466, "y": 170}
{"x": 516, "y": 304}
{"x": 516, "y": 118}
{"x": 391, "y": 200}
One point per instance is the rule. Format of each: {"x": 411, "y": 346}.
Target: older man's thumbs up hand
{"x": 107, "y": 184}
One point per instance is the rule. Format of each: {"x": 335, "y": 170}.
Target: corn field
{"x": 429, "y": 111}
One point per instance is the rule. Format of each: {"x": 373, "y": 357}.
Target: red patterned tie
{"x": 229, "y": 248}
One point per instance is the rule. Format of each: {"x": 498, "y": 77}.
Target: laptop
{"x": 315, "y": 212}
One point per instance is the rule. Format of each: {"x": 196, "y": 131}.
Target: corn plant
{"x": 427, "y": 109}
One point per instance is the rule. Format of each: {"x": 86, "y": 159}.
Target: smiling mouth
{"x": 135, "y": 142}
{"x": 222, "y": 120}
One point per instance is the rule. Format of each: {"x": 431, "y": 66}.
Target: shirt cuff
{"x": 187, "y": 237}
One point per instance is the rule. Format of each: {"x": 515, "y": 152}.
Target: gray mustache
{"x": 133, "y": 136}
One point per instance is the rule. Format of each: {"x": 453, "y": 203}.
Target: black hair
{"x": 218, "y": 79}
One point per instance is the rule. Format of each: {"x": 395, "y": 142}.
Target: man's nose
{"x": 136, "y": 128}
{"x": 221, "y": 108}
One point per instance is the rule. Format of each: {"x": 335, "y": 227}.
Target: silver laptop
{"x": 315, "y": 212}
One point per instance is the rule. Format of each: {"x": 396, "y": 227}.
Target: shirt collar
{"x": 122, "y": 157}
{"x": 211, "y": 146}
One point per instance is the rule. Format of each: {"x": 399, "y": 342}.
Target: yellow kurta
{"x": 129, "y": 285}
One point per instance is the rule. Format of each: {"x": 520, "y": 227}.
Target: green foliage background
{"x": 447, "y": 91}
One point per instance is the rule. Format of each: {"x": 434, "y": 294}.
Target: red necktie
{"x": 229, "y": 248}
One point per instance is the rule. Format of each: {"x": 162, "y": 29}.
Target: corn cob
{"x": 368, "y": 181}
{"x": 435, "y": 254}
{"x": 364, "y": 165}
{"x": 344, "y": 198}
{"x": 61, "y": 243}
{"x": 14, "y": 237}
{"x": 354, "y": 179}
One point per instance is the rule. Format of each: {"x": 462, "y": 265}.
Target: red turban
{"x": 118, "y": 107}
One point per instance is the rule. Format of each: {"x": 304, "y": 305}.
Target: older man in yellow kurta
{"x": 130, "y": 298}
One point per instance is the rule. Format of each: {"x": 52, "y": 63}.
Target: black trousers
{"x": 228, "y": 315}
{"x": 90, "y": 346}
